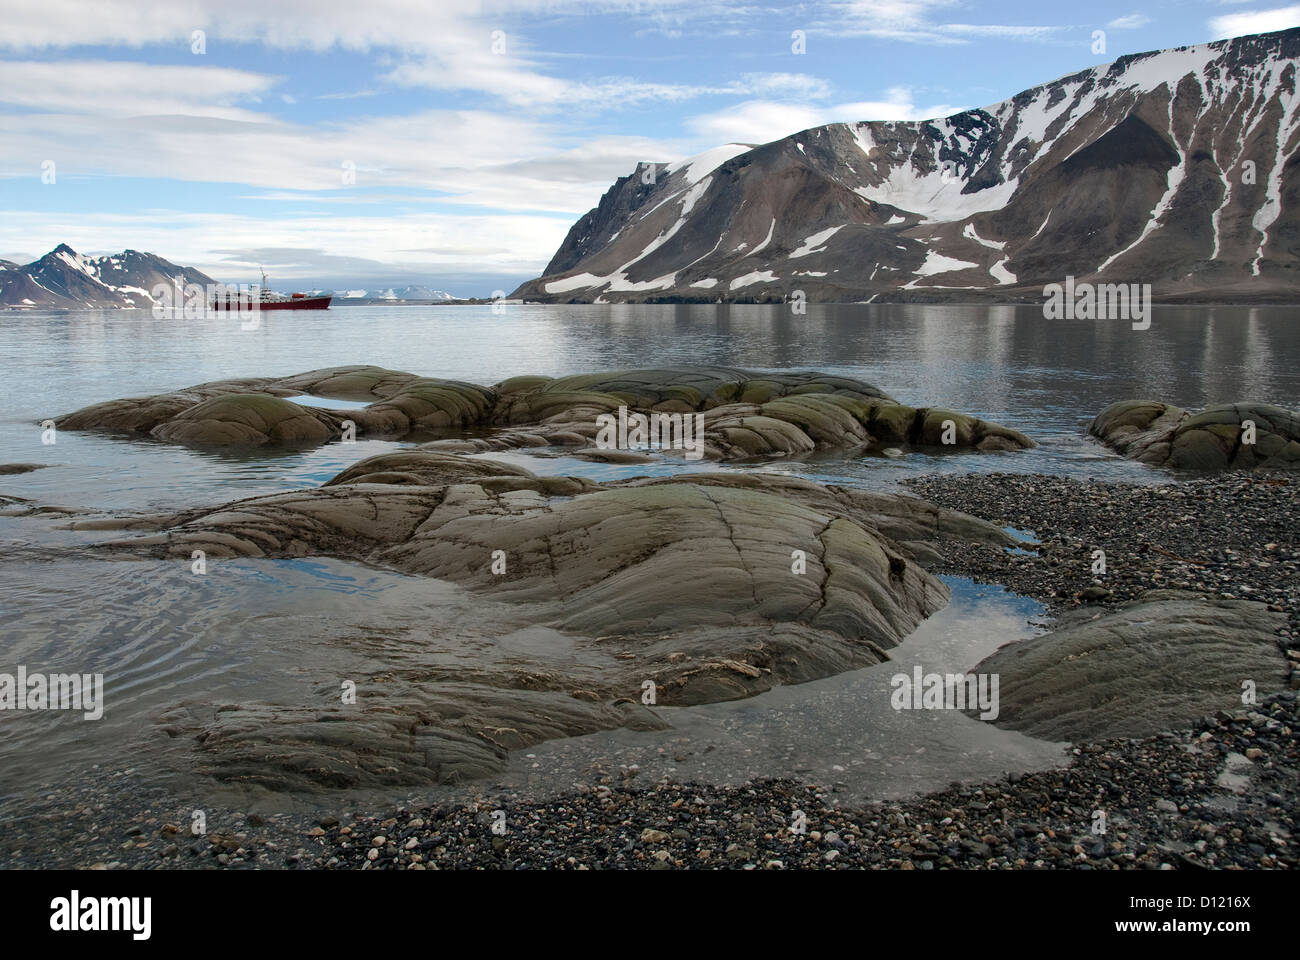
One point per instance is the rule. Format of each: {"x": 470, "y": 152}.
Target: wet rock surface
{"x": 710, "y": 587}
{"x": 1238, "y": 435}
{"x": 1167, "y": 598}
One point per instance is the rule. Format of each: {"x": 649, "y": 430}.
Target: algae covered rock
{"x": 358, "y": 382}
{"x": 681, "y": 389}
{"x": 1227, "y": 436}
{"x": 429, "y": 404}
{"x": 630, "y": 558}
{"x": 252, "y": 419}
{"x": 431, "y": 465}
{"x": 747, "y": 414}
{"x": 737, "y": 435}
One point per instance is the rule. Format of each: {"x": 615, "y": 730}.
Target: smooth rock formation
{"x": 1214, "y": 439}
{"x": 246, "y": 419}
{"x": 1157, "y": 664}
{"x": 709, "y": 586}
{"x": 401, "y": 733}
{"x": 746, "y": 414}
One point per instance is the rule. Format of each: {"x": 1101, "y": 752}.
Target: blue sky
{"x": 348, "y": 144}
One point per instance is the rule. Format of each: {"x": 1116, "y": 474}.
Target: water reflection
{"x": 1004, "y": 363}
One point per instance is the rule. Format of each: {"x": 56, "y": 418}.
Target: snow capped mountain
{"x": 412, "y": 292}
{"x": 64, "y": 279}
{"x": 1175, "y": 168}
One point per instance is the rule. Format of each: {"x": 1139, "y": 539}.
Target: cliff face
{"x": 1175, "y": 168}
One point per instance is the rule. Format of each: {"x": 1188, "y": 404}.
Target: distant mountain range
{"x": 1175, "y": 168}
{"x": 66, "y": 280}
{"x": 411, "y": 292}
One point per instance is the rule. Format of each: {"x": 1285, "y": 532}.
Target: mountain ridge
{"x": 1174, "y": 167}
{"x": 66, "y": 280}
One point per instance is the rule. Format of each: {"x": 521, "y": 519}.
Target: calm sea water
{"x": 1002, "y": 363}
{"x": 161, "y": 636}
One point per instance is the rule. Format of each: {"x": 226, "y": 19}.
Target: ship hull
{"x": 245, "y": 306}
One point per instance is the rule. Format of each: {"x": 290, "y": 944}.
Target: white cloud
{"x": 473, "y": 157}
{"x": 475, "y": 45}
{"x": 447, "y": 46}
{"x": 1132, "y": 22}
{"x": 916, "y": 21}
{"x": 758, "y": 121}
{"x": 226, "y": 246}
{"x": 440, "y": 45}
{"x": 319, "y": 25}
{"x": 1000, "y": 31}
{"x": 116, "y": 88}
{"x": 524, "y": 88}
{"x": 1255, "y": 21}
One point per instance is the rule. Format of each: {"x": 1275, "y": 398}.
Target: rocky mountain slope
{"x": 1175, "y": 168}
{"x": 64, "y": 279}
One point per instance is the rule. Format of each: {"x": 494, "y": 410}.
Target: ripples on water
{"x": 263, "y": 629}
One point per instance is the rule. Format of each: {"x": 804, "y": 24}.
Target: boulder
{"x": 1214, "y": 439}
{"x": 1159, "y": 663}
{"x": 357, "y": 382}
{"x": 9, "y": 469}
{"x": 247, "y": 419}
{"x": 428, "y": 404}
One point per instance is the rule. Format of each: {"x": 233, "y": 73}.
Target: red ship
{"x": 265, "y": 299}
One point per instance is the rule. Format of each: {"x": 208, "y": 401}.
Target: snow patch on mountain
{"x": 701, "y": 165}
{"x": 756, "y": 276}
{"x": 938, "y": 263}
{"x": 814, "y": 243}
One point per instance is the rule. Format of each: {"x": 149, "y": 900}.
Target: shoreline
{"x": 1230, "y": 535}
{"x": 1163, "y": 798}
{"x": 1269, "y": 303}
{"x": 1220, "y": 795}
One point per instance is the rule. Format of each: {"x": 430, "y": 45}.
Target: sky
{"x": 345, "y": 145}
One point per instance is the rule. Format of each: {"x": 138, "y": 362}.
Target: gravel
{"x": 1232, "y": 535}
